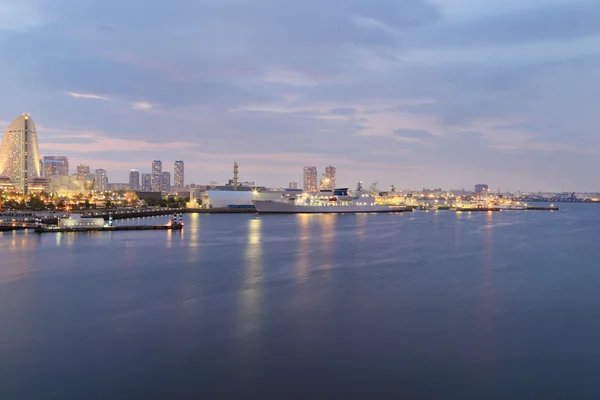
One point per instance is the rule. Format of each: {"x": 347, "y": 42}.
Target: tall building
{"x": 100, "y": 180}
{"x": 310, "y": 179}
{"x": 83, "y": 171}
{"x": 165, "y": 182}
{"x": 293, "y": 185}
{"x": 156, "y": 175}
{"x": 330, "y": 178}
{"x": 481, "y": 188}
{"x": 178, "y": 178}
{"x": 19, "y": 154}
{"x": 134, "y": 180}
{"x": 56, "y": 166}
{"x": 146, "y": 182}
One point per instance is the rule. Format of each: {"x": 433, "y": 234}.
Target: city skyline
{"x": 411, "y": 93}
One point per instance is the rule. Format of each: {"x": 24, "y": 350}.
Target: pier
{"x": 56, "y": 229}
{"x": 125, "y": 214}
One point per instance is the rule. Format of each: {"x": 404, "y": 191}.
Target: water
{"x": 415, "y": 305}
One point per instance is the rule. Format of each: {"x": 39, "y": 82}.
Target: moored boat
{"x": 326, "y": 202}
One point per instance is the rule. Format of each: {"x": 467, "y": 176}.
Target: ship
{"x": 325, "y": 202}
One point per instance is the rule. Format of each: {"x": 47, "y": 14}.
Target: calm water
{"x": 419, "y": 305}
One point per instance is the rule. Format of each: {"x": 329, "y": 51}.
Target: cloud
{"x": 288, "y": 77}
{"x": 142, "y": 105}
{"x": 87, "y": 96}
{"x": 510, "y": 84}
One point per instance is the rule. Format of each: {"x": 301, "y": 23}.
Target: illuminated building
{"x": 134, "y": 180}
{"x": 156, "y": 175}
{"x": 19, "y": 154}
{"x": 83, "y": 171}
{"x": 100, "y": 180}
{"x": 481, "y": 188}
{"x": 165, "y": 182}
{"x": 178, "y": 178}
{"x": 56, "y": 166}
{"x": 293, "y": 185}
{"x": 146, "y": 183}
{"x": 310, "y": 179}
{"x": 66, "y": 185}
{"x": 329, "y": 178}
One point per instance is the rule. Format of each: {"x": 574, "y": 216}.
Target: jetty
{"x": 58, "y": 229}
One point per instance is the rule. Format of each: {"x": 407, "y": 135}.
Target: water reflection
{"x": 250, "y": 295}
{"x": 361, "y": 223}
{"x": 193, "y": 243}
{"x": 249, "y": 318}
{"x": 302, "y": 266}
{"x": 327, "y": 240}
{"x": 484, "y": 305}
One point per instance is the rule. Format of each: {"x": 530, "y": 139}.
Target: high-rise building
{"x": 83, "y": 171}
{"x": 330, "y": 178}
{"x": 134, "y": 180}
{"x": 165, "y": 182}
{"x": 293, "y": 185}
{"x": 178, "y": 178}
{"x": 481, "y": 188}
{"x": 100, "y": 180}
{"x": 19, "y": 154}
{"x": 146, "y": 182}
{"x": 310, "y": 179}
{"x": 156, "y": 175}
{"x": 56, "y": 166}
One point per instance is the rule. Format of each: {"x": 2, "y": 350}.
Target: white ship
{"x": 337, "y": 201}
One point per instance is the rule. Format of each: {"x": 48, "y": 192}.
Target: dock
{"x": 56, "y": 229}
{"x": 126, "y": 214}
{"x": 479, "y": 209}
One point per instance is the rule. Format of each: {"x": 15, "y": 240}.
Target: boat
{"x": 326, "y": 202}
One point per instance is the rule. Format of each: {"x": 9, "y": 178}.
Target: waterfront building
{"x": 146, "y": 182}
{"x": 293, "y": 185}
{"x": 178, "y": 178}
{"x": 329, "y": 178}
{"x": 19, "y": 153}
{"x": 481, "y": 189}
{"x": 156, "y": 175}
{"x": 55, "y": 166}
{"x": 66, "y": 185}
{"x": 100, "y": 180}
{"x": 310, "y": 179}
{"x": 83, "y": 171}
{"x": 165, "y": 182}
{"x": 134, "y": 180}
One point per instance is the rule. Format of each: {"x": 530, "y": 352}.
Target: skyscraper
{"x": 134, "y": 180}
{"x": 156, "y": 175}
{"x": 165, "y": 182}
{"x": 101, "y": 180}
{"x": 146, "y": 182}
{"x": 19, "y": 154}
{"x": 178, "y": 178}
{"x": 310, "y": 179}
{"x": 330, "y": 177}
{"x": 56, "y": 166}
{"x": 83, "y": 171}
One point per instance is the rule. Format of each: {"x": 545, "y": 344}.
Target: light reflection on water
{"x": 426, "y": 297}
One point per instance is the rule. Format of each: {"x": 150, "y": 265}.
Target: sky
{"x": 415, "y": 93}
